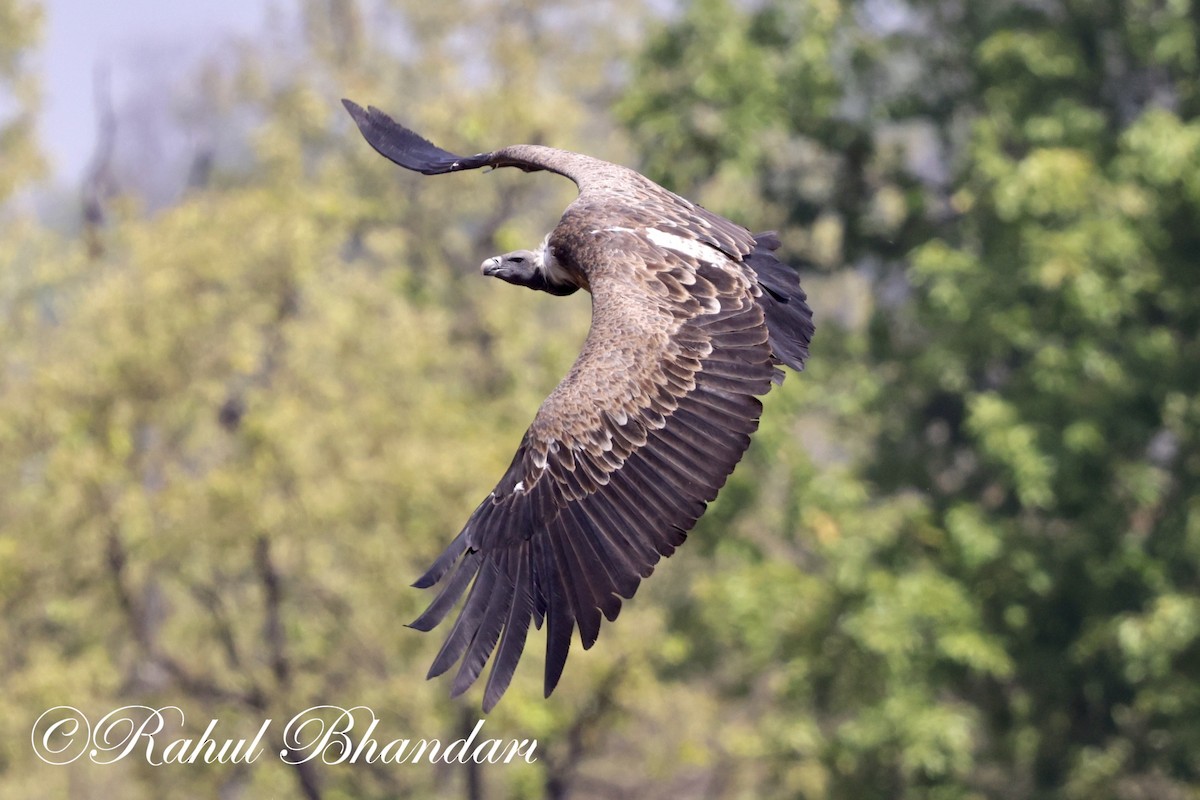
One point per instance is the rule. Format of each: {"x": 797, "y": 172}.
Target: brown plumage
{"x": 691, "y": 316}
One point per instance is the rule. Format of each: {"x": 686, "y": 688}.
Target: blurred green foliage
{"x": 960, "y": 560}
{"x": 20, "y": 24}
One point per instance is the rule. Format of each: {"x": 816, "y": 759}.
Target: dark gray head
{"x": 530, "y": 268}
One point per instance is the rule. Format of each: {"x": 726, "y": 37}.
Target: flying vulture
{"x": 691, "y": 317}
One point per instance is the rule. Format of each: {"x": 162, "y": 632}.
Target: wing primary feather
{"x": 402, "y": 146}
{"x": 516, "y": 627}
{"x": 487, "y": 633}
{"x": 448, "y": 596}
{"x": 446, "y": 560}
{"x": 560, "y": 622}
{"x": 468, "y": 620}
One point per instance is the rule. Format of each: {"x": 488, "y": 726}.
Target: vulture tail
{"x": 784, "y": 304}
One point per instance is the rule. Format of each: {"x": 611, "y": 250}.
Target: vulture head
{"x": 530, "y": 268}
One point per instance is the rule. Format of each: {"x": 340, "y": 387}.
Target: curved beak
{"x": 491, "y": 266}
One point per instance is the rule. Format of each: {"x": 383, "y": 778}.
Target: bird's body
{"x": 691, "y": 316}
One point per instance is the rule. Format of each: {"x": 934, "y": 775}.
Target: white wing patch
{"x": 689, "y": 247}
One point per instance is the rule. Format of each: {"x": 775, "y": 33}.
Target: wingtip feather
{"x": 405, "y": 146}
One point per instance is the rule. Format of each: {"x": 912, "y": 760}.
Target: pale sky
{"x": 81, "y": 34}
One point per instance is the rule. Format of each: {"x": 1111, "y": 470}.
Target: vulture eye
{"x": 518, "y": 259}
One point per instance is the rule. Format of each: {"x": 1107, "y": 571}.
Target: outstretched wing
{"x": 619, "y": 462}
{"x": 412, "y": 151}
{"x": 398, "y": 144}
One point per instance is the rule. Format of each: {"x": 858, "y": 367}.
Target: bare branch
{"x": 273, "y": 624}
{"x": 100, "y": 184}
{"x": 561, "y": 771}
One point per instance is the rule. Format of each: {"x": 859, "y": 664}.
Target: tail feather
{"x": 784, "y": 303}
